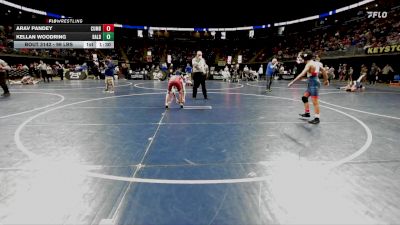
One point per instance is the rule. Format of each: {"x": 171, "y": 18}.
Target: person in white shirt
{"x": 43, "y": 71}
{"x": 49, "y": 70}
{"x": 199, "y": 74}
{"x": 226, "y": 75}
{"x": 331, "y": 74}
{"x": 260, "y": 72}
{"x": 116, "y": 73}
{"x": 246, "y": 72}
{"x": 157, "y": 74}
{"x": 387, "y": 73}
{"x": 60, "y": 70}
{"x": 282, "y": 69}
{"x": 254, "y": 75}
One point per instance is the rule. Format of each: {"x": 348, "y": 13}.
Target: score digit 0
{"x": 108, "y": 27}
{"x": 108, "y": 36}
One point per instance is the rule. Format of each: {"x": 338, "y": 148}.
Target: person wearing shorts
{"x": 109, "y": 75}
{"x": 312, "y": 70}
{"x": 175, "y": 82}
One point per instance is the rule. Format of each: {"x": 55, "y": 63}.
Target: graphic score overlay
{"x": 77, "y": 36}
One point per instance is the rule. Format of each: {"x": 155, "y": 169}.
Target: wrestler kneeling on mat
{"x": 312, "y": 69}
{"x": 175, "y": 81}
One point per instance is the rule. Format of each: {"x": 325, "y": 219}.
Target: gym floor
{"x": 71, "y": 154}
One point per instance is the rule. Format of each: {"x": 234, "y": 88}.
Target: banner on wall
{"x": 229, "y": 61}
{"x": 383, "y": 49}
{"x": 75, "y": 75}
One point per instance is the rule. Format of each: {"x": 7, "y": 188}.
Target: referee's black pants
{"x": 3, "y": 83}
{"x": 269, "y": 81}
{"x": 199, "y": 78}
{"x": 61, "y": 73}
{"x": 45, "y": 75}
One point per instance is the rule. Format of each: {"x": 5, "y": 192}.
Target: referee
{"x": 199, "y": 74}
{"x": 4, "y": 67}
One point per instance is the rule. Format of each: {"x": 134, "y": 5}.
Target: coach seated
{"x": 226, "y": 75}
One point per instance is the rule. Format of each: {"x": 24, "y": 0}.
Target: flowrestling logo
{"x": 64, "y": 20}
{"x": 377, "y": 14}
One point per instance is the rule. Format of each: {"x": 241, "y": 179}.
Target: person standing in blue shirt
{"x": 188, "y": 69}
{"x": 109, "y": 75}
{"x": 164, "y": 68}
{"x": 271, "y": 67}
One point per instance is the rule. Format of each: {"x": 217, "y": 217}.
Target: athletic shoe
{"x": 305, "y": 115}
{"x": 314, "y": 121}
{"x": 6, "y": 94}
